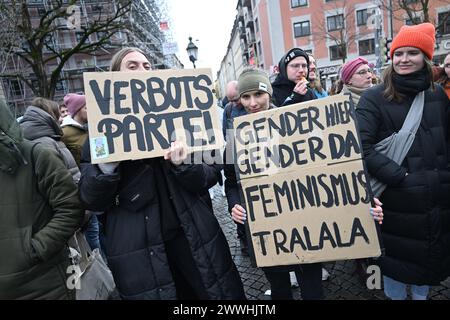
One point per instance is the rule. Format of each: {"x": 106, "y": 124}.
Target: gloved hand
{"x": 108, "y": 168}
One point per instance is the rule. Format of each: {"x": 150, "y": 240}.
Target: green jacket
{"x": 39, "y": 212}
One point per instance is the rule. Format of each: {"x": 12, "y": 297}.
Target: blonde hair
{"x": 116, "y": 60}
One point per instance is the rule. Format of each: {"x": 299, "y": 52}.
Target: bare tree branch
{"x": 342, "y": 37}
{"x": 37, "y": 45}
{"x": 413, "y": 10}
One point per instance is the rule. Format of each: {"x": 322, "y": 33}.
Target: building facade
{"x": 142, "y": 30}
{"x": 242, "y": 47}
{"x": 335, "y": 31}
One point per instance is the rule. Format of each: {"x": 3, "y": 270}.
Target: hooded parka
{"x": 39, "y": 212}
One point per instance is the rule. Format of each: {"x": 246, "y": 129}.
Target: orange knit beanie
{"x": 419, "y": 36}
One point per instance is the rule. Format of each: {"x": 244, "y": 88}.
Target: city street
{"x": 343, "y": 283}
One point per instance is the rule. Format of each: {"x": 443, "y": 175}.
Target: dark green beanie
{"x": 253, "y": 79}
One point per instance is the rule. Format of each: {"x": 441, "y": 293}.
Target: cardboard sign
{"x": 304, "y": 184}
{"x": 136, "y": 115}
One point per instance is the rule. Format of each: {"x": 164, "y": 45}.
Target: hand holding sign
{"x": 108, "y": 168}
{"x": 377, "y": 212}
{"x": 177, "y": 152}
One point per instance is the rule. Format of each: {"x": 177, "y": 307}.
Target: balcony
{"x": 240, "y": 14}
{"x": 244, "y": 46}
{"x": 248, "y": 19}
{"x": 246, "y": 3}
{"x": 242, "y": 32}
{"x": 250, "y": 36}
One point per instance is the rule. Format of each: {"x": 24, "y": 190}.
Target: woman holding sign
{"x": 162, "y": 239}
{"x": 416, "y": 228}
{"x": 255, "y": 92}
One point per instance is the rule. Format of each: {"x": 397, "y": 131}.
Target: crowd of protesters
{"x": 153, "y": 220}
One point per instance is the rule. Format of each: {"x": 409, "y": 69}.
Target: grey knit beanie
{"x": 252, "y": 79}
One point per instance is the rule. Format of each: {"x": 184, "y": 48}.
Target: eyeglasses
{"x": 364, "y": 72}
{"x": 298, "y": 66}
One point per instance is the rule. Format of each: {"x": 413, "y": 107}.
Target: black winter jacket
{"x": 134, "y": 244}
{"x": 283, "y": 87}
{"x": 283, "y": 94}
{"x": 416, "y": 225}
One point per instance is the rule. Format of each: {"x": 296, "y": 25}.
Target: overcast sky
{"x": 208, "y": 21}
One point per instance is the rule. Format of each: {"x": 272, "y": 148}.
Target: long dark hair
{"x": 443, "y": 79}
{"x": 390, "y": 93}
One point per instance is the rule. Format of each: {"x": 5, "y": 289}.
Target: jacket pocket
{"x": 139, "y": 192}
{"x": 15, "y": 246}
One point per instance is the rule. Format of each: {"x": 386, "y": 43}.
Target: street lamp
{"x": 192, "y": 51}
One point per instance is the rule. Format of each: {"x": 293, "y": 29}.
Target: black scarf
{"x": 413, "y": 83}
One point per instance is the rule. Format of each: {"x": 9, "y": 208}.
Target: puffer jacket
{"x": 40, "y": 211}
{"x": 38, "y": 126}
{"x": 134, "y": 244}
{"x": 416, "y": 225}
{"x": 74, "y": 137}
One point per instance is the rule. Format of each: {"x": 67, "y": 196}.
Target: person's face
{"x": 255, "y": 101}
{"x": 82, "y": 114}
{"x": 63, "y": 111}
{"x": 447, "y": 65}
{"x": 233, "y": 95}
{"x": 135, "y": 61}
{"x": 407, "y": 60}
{"x": 362, "y": 78}
{"x": 312, "y": 68}
{"x": 297, "y": 69}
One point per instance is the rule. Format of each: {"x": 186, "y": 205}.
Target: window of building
{"x": 361, "y": 17}
{"x": 415, "y": 20}
{"x": 80, "y": 35}
{"x": 302, "y": 29}
{"x": 256, "y": 25}
{"x": 59, "y": 86}
{"x": 444, "y": 22}
{"x": 335, "y": 22}
{"x": 101, "y": 35}
{"x": 96, "y": 8}
{"x": 366, "y": 47}
{"x": 15, "y": 88}
{"x": 41, "y": 10}
{"x": 298, "y": 3}
{"x": 336, "y": 53}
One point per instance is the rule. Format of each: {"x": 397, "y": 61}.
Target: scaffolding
{"x": 142, "y": 30}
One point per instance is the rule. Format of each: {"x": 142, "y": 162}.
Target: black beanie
{"x": 289, "y": 56}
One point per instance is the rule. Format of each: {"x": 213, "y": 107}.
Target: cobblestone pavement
{"x": 343, "y": 283}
